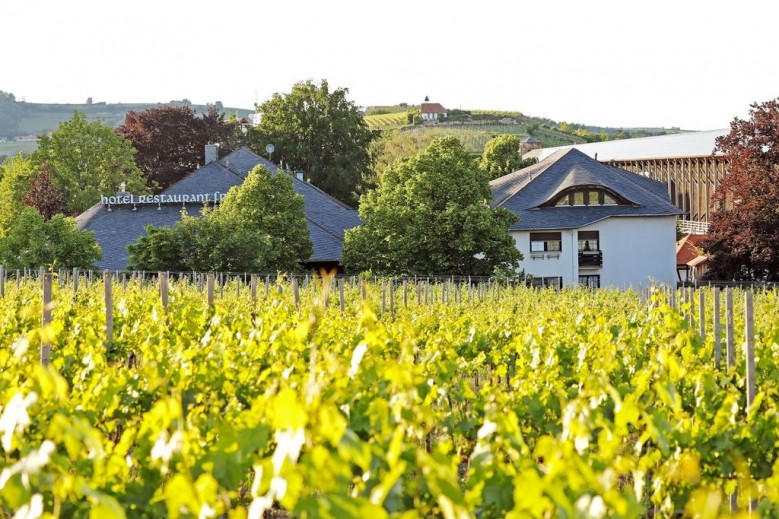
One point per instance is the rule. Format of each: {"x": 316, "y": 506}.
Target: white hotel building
{"x": 584, "y": 222}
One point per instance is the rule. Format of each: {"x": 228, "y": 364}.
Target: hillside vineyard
{"x": 387, "y": 399}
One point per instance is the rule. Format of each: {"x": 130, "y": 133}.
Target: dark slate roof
{"x": 523, "y": 191}
{"x": 328, "y": 219}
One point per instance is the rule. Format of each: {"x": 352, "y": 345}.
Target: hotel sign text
{"x": 123, "y": 199}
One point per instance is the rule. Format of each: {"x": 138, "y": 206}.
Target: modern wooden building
{"x": 685, "y": 162}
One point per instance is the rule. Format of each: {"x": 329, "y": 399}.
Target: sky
{"x": 667, "y": 63}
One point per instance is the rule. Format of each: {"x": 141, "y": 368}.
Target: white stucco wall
{"x": 636, "y": 252}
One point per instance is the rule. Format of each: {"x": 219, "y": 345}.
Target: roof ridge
{"x": 538, "y": 168}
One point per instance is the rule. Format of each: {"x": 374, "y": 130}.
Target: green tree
{"x": 87, "y": 160}
{"x": 320, "y": 132}
{"x": 32, "y": 241}
{"x": 17, "y": 173}
{"x": 259, "y": 227}
{"x": 501, "y": 156}
{"x": 431, "y": 215}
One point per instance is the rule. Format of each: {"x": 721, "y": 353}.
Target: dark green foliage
{"x": 431, "y": 215}
{"x": 259, "y": 227}
{"x": 320, "y": 132}
{"x": 31, "y": 241}
{"x": 87, "y": 160}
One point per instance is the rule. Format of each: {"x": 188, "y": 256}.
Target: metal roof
{"x": 688, "y": 144}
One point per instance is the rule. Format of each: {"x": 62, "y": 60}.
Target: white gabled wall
{"x": 636, "y": 251}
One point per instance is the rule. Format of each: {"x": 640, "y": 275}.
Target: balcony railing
{"x": 691, "y": 227}
{"x": 590, "y": 258}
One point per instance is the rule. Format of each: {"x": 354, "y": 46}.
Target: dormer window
{"x": 586, "y": 196}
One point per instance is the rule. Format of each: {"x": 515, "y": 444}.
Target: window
{"x": 554, "y": 282}
{"x": 589, "y": 240}
{"x": 586, "y": 196}
{"x": 590, "y": 281}
{"x": 546, "y": 242}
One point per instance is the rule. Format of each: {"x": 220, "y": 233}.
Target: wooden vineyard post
{"x": 296, "y": 293}
{"x": 392, "y": 298}
{"x": 46, "y": 318}
{"x": 717, "y": 331}
{"x": 210, "y": 288}
{"x": 109, "y": 307}
{"x": 749, "y": 346}
{"x": 419, "y": 293}
{"x": 383, "y": 297}
{"x": 691, "y": 301}
{"x": 253, "y": 285}
{"x": 427, "y": 290}
{"x": 2, "y": 281}
{"x": 363, "y": 291}
{"x": 163, "y": 278}
{"x": 341, "y": 301}
{"x": 731, "y": 354}
{"x": 702, "y": 313}
{"x": 405, "y": 293}
{"x": 75, "y": 280}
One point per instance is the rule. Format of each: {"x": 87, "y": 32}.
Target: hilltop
{"x": 22, "y": 122}
{"x": 475, "y": 127}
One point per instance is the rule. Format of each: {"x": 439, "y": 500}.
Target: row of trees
{"x": 412, "y": 190}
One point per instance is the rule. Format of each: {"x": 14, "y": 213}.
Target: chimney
{"x": 299, "y": 175}
{"x": 212, "y": 153}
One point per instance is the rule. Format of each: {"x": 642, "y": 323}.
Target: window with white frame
{"x": 546, "y": 242}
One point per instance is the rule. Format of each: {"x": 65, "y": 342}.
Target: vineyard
{"x": 386, "y": 121}
{"x": 145, "y": 397}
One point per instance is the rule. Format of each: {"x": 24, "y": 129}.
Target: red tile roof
{"x": 432, "y": 108}
{"x": 688, "y": 249}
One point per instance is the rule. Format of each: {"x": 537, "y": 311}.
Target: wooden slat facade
{"x": 691, "y": 181}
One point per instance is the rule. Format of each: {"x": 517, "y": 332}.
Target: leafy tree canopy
{"x": 32, "y": 241}
{"x": 431, "y": 215}
{"x": 501, "y": 156}
{"x": 87, "y": 160}
{"x": 259, "y": 227}
{"x": 744, "y": 235}
{"x": 15, "y": 178}
{"x": 171, "y": 140}
{"x": 320, "y": 132}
